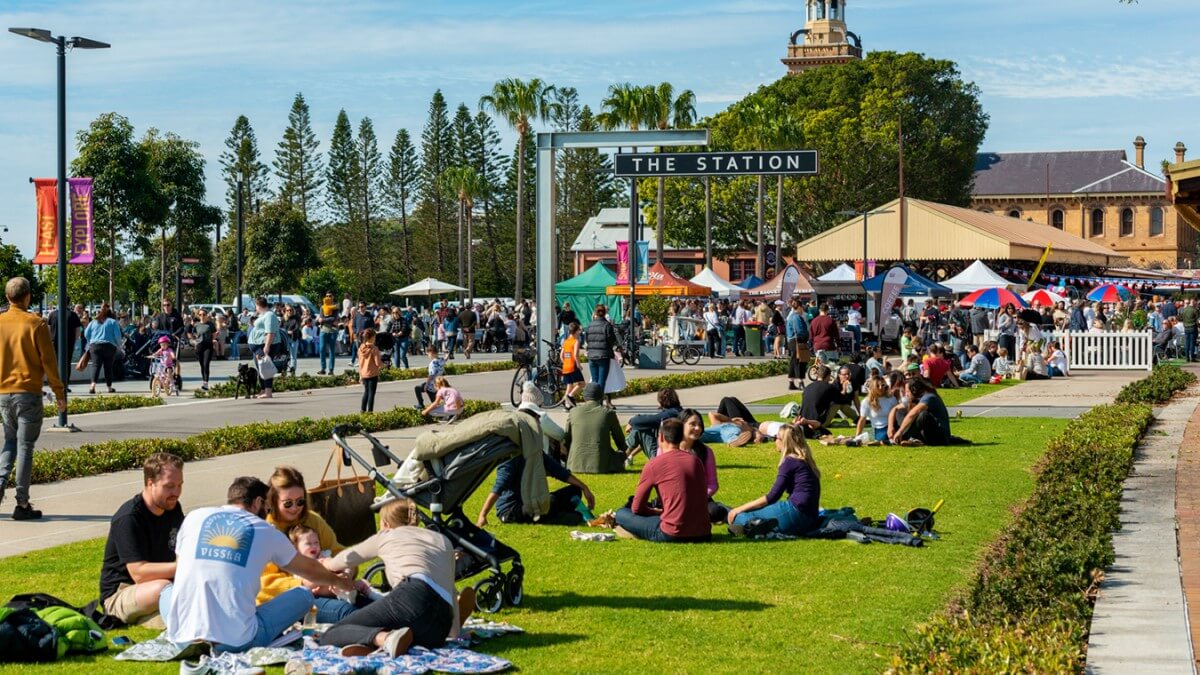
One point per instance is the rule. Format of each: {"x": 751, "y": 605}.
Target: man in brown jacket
{"x": 26, "y": 359}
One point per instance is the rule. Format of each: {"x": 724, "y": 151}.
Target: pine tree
{"x": 400, "y": 187}
{"x": 463, "y": 137}
{"x": 434, "y": 202}
{"x": 488, "y": 160}
{"x": 297, "y": 161}
{"x": 241, "y": 162}
{"x": 342, "y": 173}
{"x": 370, "y": 179}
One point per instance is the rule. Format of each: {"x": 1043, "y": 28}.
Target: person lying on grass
{"x": 732, "y": 424}
{"x": 693, "y": 442}
{"x": 678, "y": 477}
{"x": 421, "y": 609}
{"x": 799, "y": 476}
{"x": 642, "y": 430}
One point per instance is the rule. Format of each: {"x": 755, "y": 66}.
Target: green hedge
{"x": 79, "y": 406}
{"x": 97, "y": 458}
{"x": 1030, "y": 604}
{"x": 349, "y": 377}
{"x": 700, "y": 378}
{"x": 1158, "y": 388}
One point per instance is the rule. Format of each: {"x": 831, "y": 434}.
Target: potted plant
{"x": 654, "y": 310}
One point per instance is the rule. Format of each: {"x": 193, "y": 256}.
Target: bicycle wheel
{"x": 691, "y": 355}
{"x": 519, "y": 379}
{"x": 550, "y": 383}
{"x": 675, "y": 354}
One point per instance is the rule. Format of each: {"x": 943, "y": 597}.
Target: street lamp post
{"x": 865, "y": 215}
{"x": 61, "y": 43}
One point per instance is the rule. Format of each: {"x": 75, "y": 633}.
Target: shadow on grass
{"x": 555, "y": 602}
{"x": 539, "y": 639}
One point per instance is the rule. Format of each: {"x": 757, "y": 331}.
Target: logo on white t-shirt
{"x": 224, "y": 537}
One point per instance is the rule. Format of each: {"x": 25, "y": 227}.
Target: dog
{"x": 247, "y": 377}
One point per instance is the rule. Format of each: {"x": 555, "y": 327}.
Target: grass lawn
{"x": 951, "y": 397}
{"x": 728, "y": 606}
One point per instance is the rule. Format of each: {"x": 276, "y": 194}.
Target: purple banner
{"x": 83, "y": 249}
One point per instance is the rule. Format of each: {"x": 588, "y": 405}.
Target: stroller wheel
{"x": 514, "y": 588}
{"x": 489, "y": 595}
{"x": 377, "y": 577}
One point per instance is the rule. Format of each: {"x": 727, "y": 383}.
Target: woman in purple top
{"x": 799, "y": 476}
{"x": 693, "y": 429}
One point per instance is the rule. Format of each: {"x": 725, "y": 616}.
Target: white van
{"x": 248, "y": 301}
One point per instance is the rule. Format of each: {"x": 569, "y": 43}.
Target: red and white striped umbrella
{"x": 1043, "y": 298}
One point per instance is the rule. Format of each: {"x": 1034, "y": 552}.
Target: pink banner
{"x": 622, "y": 263}
{"x": 83, "y": 248}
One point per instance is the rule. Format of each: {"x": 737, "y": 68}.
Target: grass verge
{"x": 731, "y": 606}
{"x": 104, "y": 403}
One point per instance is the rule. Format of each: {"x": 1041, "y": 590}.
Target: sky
{"x": 1061, "y": 74}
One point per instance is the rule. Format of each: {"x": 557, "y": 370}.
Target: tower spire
{"x": 824, "y": 40}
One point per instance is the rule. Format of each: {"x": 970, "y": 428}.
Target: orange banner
{"x": 47, "y": 221}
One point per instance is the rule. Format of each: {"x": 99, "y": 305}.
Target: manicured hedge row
{"x": 97, "y": 458}
{"x": 1158, "y": 388}
{"x": 700, "y": 378}
{"x": 1030, "y": 604}
{"x": 79, "y": 406}
{"x": 349, "y": 377}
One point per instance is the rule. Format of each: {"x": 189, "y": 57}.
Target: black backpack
{"x": 25, "y": 637}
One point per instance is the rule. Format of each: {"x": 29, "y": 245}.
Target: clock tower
{"x": 824, "y": 40}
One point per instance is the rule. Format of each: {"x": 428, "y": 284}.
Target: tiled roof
{"x": 1090, "y": 171}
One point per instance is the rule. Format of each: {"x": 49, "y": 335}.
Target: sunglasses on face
{"x": 289, "y": 503}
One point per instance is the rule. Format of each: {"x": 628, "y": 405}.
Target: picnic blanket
{"x": 328, "y": 661}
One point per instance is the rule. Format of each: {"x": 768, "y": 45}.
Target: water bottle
{"x": 309, "y": 626}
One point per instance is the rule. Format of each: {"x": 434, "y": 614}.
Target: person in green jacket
{"x": 592, "y": 432}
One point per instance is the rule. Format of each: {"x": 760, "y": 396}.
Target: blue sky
{"x": 1061, "y": 74}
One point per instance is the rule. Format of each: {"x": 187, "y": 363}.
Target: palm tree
{"x": 519, "y": 102}
{"x": 467, "y": 186}
{"x": 668, "y": 111}
{"x": 625, "y": 106}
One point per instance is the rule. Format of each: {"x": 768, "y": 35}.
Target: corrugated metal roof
{"x": 602, "y": 231}
{"x": 1024, "y": 173}
{"x": 1015, "y": 230}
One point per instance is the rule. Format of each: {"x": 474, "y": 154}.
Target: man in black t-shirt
{"x": 74, "y": 325}
{"x": 817, "y": 402}
{"x": 467, "y": 321}
{"x": 139, "y": 556}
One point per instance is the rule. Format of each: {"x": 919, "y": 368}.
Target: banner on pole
{"x": 642, "y": 270}
{"x": 893, "y": 283}
{"x": 622, "y": 263}
{"x": 787, "y": 286}
{"x": 81, "y": 248}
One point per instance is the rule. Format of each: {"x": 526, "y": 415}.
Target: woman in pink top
{"x": 448, "y": 401}
{"x": 693, "y": 429}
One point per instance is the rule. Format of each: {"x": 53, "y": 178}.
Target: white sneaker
{"x": 200, "y": 667}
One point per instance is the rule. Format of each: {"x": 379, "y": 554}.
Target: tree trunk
{"x": 760, "y": 265}
{"x": 779, "y": 225}
{"x": 370, "y": 285}
{"x": 112, "y": 266}
{"x": 408, "y": 266}
{"x": 662, "y": 217}
{"x": 470, "y": 260}
{"x": 518, "y": 291}
{"x": 490, "y": 228}
{"x": 162, "y": 278}
{"x": 462, "y": 205}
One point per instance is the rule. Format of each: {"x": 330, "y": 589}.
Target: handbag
{"x": 803, "y": 353}
{"x": 345, "y": 503}
{"x": 84, "y": 360}
{"x": 615, "y": 381}
{"x": 266, "y": 367}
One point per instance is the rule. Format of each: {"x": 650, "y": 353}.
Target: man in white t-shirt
{"x": 854, "y": 324}
{"x": 220, "y": 554}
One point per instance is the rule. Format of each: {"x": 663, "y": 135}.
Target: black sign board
{"x": 642, "y": 165}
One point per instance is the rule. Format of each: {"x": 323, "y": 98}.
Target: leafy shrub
{"x": 1029, "y": 607}
{"x": 79, "y": 406}
{"x": 1162, "y": 383}
{"x": 97, "y": 458}
{"x": 350, "y": 377}
{"x": 700, "y": 378}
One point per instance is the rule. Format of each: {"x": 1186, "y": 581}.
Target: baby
{"x": 308, "y": 544}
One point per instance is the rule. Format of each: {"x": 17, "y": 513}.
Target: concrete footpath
{"x": 1140, "y": 623}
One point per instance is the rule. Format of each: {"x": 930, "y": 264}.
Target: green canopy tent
{"x": 586, "y": 291}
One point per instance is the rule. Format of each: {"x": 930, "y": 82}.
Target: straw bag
{"x": 345, "y": 503}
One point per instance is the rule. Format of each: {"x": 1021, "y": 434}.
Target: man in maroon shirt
{"x": 678, "y": 476}
{"x": 937, "y": 366}
{"x": 824, "y": 333}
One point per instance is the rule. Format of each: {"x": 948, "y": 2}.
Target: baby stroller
{"x": 386, "y": 344}
{"x": 452, "y": 480}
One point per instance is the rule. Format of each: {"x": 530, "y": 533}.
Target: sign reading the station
{"x": 643, "y": 165}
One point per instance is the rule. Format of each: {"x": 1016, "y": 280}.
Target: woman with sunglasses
{"x": 287, "y": 504}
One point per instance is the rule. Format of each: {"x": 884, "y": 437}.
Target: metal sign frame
{"x": 750, "y": 163}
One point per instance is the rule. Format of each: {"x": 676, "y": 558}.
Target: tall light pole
{"x": 865, "y": 215}
{"x": 61, "y": 43}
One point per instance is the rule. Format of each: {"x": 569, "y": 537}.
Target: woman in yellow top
{"x": 288, "y": 507}
{"x": 572, "y": 376}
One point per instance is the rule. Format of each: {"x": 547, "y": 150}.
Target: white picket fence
{"x": 1107, "y": 350}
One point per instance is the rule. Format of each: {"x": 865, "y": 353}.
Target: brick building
{"x": 1098, "y": 195}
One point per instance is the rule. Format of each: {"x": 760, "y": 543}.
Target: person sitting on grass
{"x": 926, "y": 419}
{"x": 139, "y": 555}
{"x": 1056, "y": 361}
{"x": 437, "y": 367}
{"x": 845, "y": 398}
{"x": 978, "y": 371}
{"x": 421, "y": 609}
{"x": 876, "y": 408}
{"x": 799, "y": 476}
{"x": 678, "y": 477}
{"x": 221, "y": 551}
{"x": 693, "y": 430}
{"x": 816, "y": 405}
{"x": 447, "y": 403}
{"x": 642, "y": 430}
{"x": 593, "y": 436}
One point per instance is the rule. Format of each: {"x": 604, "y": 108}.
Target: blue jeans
{"x": 855, "y": 336}
{"x": 647, "y": 527}
{"x": 880, "y": 434}
{"x": 451, "y": 345}
{"x": 599, "y": 368}
{"x": 332, "y": 610}
{"x": 1189, "y": 342}
{"x": 293, "y": 351}
{"x": 401, "y": 352}
{"x": 328, "y": 350}
{"x": 720, "y": 433}
{"x": 791, "y": 522}
{"x": 273, "y": 617}
{"x": 234, "y": 350}
{"x": 22, "y": 417}
{"x": 971, "y": 378}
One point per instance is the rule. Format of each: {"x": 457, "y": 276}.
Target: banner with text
{"x": 893, "y": 283}
{"x": 622, "y": 263}
{"x": 81, "y": 248}
{"x": 46, "y": 251}
{"x": 642, "y": 270}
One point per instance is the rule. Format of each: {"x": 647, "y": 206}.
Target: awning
{"x": 720, "y": 287}
{"x": 916, "y": 285}
{"x": 975, "y": 277}
{"x": 663, "y": 282}
{"x": 774, "y": 288}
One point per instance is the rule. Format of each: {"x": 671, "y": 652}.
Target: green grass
{"x": 731, "y": 605}
{"x": 951, "y": 397}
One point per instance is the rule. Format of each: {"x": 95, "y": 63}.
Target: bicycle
{"x": 546, "y": 377}
{"x": 684, "y": 354}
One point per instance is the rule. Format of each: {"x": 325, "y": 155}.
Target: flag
{"x": 81, "y": 249}
{"x": 46, "y": 251}
{"x": 893, "y": 283}
{"x": 642, "y": 262}
{"x": 622, "y": 263}
{"x": 82, "y": 246}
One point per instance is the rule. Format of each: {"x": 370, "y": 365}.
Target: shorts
{"x": 573, "y": 377}
{"x": 123, "y": 606}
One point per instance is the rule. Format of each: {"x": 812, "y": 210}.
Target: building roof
{"x": 602, "y": 231}
{"x": 943, "y": 232}
{"x": 1070, "y": 172}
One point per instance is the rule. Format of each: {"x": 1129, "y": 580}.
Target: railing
{"x": 1107, "y": 350}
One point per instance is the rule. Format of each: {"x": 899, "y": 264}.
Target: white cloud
{"x": 1075, "y": 76}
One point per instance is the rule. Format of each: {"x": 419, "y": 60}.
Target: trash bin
{"x": 754, "y": 339}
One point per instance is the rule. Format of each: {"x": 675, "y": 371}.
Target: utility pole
{"x": 241, "y": 232}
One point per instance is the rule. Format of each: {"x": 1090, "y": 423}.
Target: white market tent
{"x": 977, "y": 276}
{"x": 721, "y": 288}
{"x": 842, "y": 272}
{"x": 428, "y": 287}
